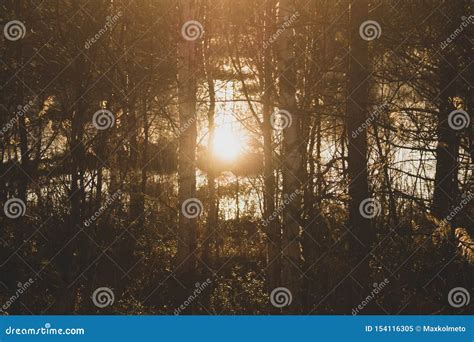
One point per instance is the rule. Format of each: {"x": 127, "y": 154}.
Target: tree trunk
{"x": 24, "y": 177}
{"x": 292, "y": 156}
{"x": 185, "y": 259}
{"x": 361, "y": 234}
{"x": 447, "y": 149}
{"x": 272, "y": 226}
{"x": 211, "y": 172}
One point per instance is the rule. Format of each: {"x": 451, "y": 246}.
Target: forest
{"x": 236, "y": 157}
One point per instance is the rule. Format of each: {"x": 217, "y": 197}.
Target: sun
{"x": 227, "y": 144}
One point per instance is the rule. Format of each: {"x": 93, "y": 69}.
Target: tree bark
{"x": 292, "y": 156}
{"x": 211, "y": 172}
{"x": 272, "y": 226}
{"x": 361, "y": 235}
{"x": 185, "y": 258}
{"x": 447, "y": 149}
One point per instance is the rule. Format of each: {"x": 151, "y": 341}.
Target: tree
{"x": 272, "y": 226}
{"x": 185, "y": 258}
{"x": 359, "y": 226}
{"x": 292, "y": 150}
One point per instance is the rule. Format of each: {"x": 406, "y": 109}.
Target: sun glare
{"x": 229, "y": 140}
{"x": 227, "y": 144}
